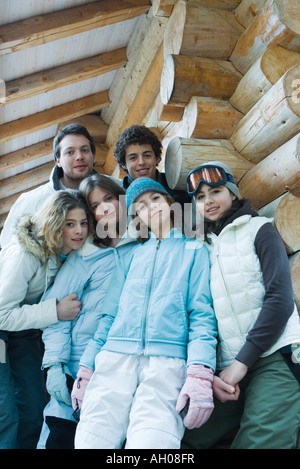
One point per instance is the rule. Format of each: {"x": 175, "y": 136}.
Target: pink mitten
{"x": 83, "y": 377}
{"x": 198, "y": 389}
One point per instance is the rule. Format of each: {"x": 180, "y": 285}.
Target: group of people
{"x": 117, "y": 330}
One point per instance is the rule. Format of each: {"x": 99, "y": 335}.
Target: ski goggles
{"x": 211, "y": 175}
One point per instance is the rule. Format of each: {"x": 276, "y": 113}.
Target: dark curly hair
{"x": 136, "y": 134}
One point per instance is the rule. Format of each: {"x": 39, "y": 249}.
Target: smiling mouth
{"x": 212, "y": 210}
{"x": 144, "y": 170}
{"x": 156, "y": 213}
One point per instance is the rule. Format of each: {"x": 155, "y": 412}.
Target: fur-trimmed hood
{"x": 27, "y": 237}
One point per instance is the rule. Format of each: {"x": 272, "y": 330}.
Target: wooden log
{"x": 185, "y": 76}
{"x": 269, "y": 210}
{"x": 144, "y": 99}
{"x": 15, "y": 161}
{"x": 92, "y": 122}
{"x": 210, "y": 118}
{"x": 294, "y": 261}
{"x": 52, "y": 116}
{"x": 272, "y": 121}
{"x": 185, "y": 154}
{"x": 117, "y": 87}
{"x": 277, "y": 23}
{"x": 196, "y": 30}
{"x": 164, "y": 7}
{"x": 287, "y": 222}
{"x": 25, "y": 180}
{"x": 263, "y": 74}
{"x": 37, "y": 30}
{"x": 285, "y": 210}
{"x": 272, "y": 177}
{"x": 167, "y": 112}
{"x": 63, "y": 75}
{"x": 139, "y": 72}
{"x": 246, "y": 11}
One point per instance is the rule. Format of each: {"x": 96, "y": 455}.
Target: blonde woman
{"x": 28, "y": 266}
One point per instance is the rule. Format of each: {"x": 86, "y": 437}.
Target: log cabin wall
{"x": 215, "y": 79}
{"x": 232, "y": 73}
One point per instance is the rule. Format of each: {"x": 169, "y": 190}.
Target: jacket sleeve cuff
{"x": 248, "y": 354}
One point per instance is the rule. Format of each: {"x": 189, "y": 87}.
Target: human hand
{"x": 225, "y": 392}
{"x": 234, "y": 373}
{"x": 56, "y": 383}
{"x": 68, "y": 308}
{"x": 79, "y": 387}
{"x": 197, "y": 389}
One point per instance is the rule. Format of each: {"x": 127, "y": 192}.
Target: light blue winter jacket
{"x": 162, "y": 303}
{"x": 88, "y": 273}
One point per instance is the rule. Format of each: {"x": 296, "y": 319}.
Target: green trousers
{"x": 267, "y": 411}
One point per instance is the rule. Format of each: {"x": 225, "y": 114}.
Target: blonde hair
{"x": 49, "y": 221}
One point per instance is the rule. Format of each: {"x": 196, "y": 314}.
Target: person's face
{"x": 212, "y": 202}
{"x": 154, "y": 211}
{"x": 75, "y": 230}
{"x": 140, "y": 161}
{"x": 76, "y": 159}
{"x": 105, "y": 206}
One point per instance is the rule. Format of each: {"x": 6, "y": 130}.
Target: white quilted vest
{"x": 237, "y": 288}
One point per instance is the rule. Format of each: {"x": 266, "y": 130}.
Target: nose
{"x": 78, "y": 154}
{"x": 208, "y": 199}
{"x": 106, "y": 207}
{"x": 141, "y": 160}
{"x": 78, "y": 228}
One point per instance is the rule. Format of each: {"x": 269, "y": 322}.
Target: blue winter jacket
{"x": 161, "y": 298}
{"x": 88, "y": 273}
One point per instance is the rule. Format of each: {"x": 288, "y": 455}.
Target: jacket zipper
{"x": 219, "y": 262}
{"x": 148, "y": 301}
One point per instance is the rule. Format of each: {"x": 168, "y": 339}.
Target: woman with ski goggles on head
{"x": 257, "y": 318}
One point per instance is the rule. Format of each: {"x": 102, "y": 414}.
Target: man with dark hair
{"x": 138, "y": 152}
{"x": 74, "y": 154}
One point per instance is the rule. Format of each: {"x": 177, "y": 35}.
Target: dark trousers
{"x": 62, "y": 433}
{"x": 23, "y": 394}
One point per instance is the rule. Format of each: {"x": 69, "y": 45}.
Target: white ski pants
{"x": 132, "y": 398}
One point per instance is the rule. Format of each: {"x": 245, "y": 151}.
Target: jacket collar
{"x": 173, "y": 233}
{"x": 245, "y": 209}
{"x": 27, "y": 237}
{"x": 57, "y": 174}
{"x": 127, "y": 180}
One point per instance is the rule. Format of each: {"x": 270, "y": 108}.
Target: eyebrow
{"x": 133, "y": 153}
{"x": 73, "y": 219}
{"x": 152, "y": 194}
{"x": 82, "y": 146}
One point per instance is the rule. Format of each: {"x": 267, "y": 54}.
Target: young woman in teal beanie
{"x": 257, "y": 383}
{"x": 160, "y": 352}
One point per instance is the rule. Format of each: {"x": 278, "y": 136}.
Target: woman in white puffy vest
{"x": 256, "y": 387}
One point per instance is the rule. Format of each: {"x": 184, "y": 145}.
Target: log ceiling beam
{"x": 25, "y": 155}
{"x": 53, "y": 116}
{"x": 79, "y": 70}
{"x": 42, "y": 29}
{"x": 7, "y": 202}
{"x": 144, "y": 99}
{"x": 22, "y": 181}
